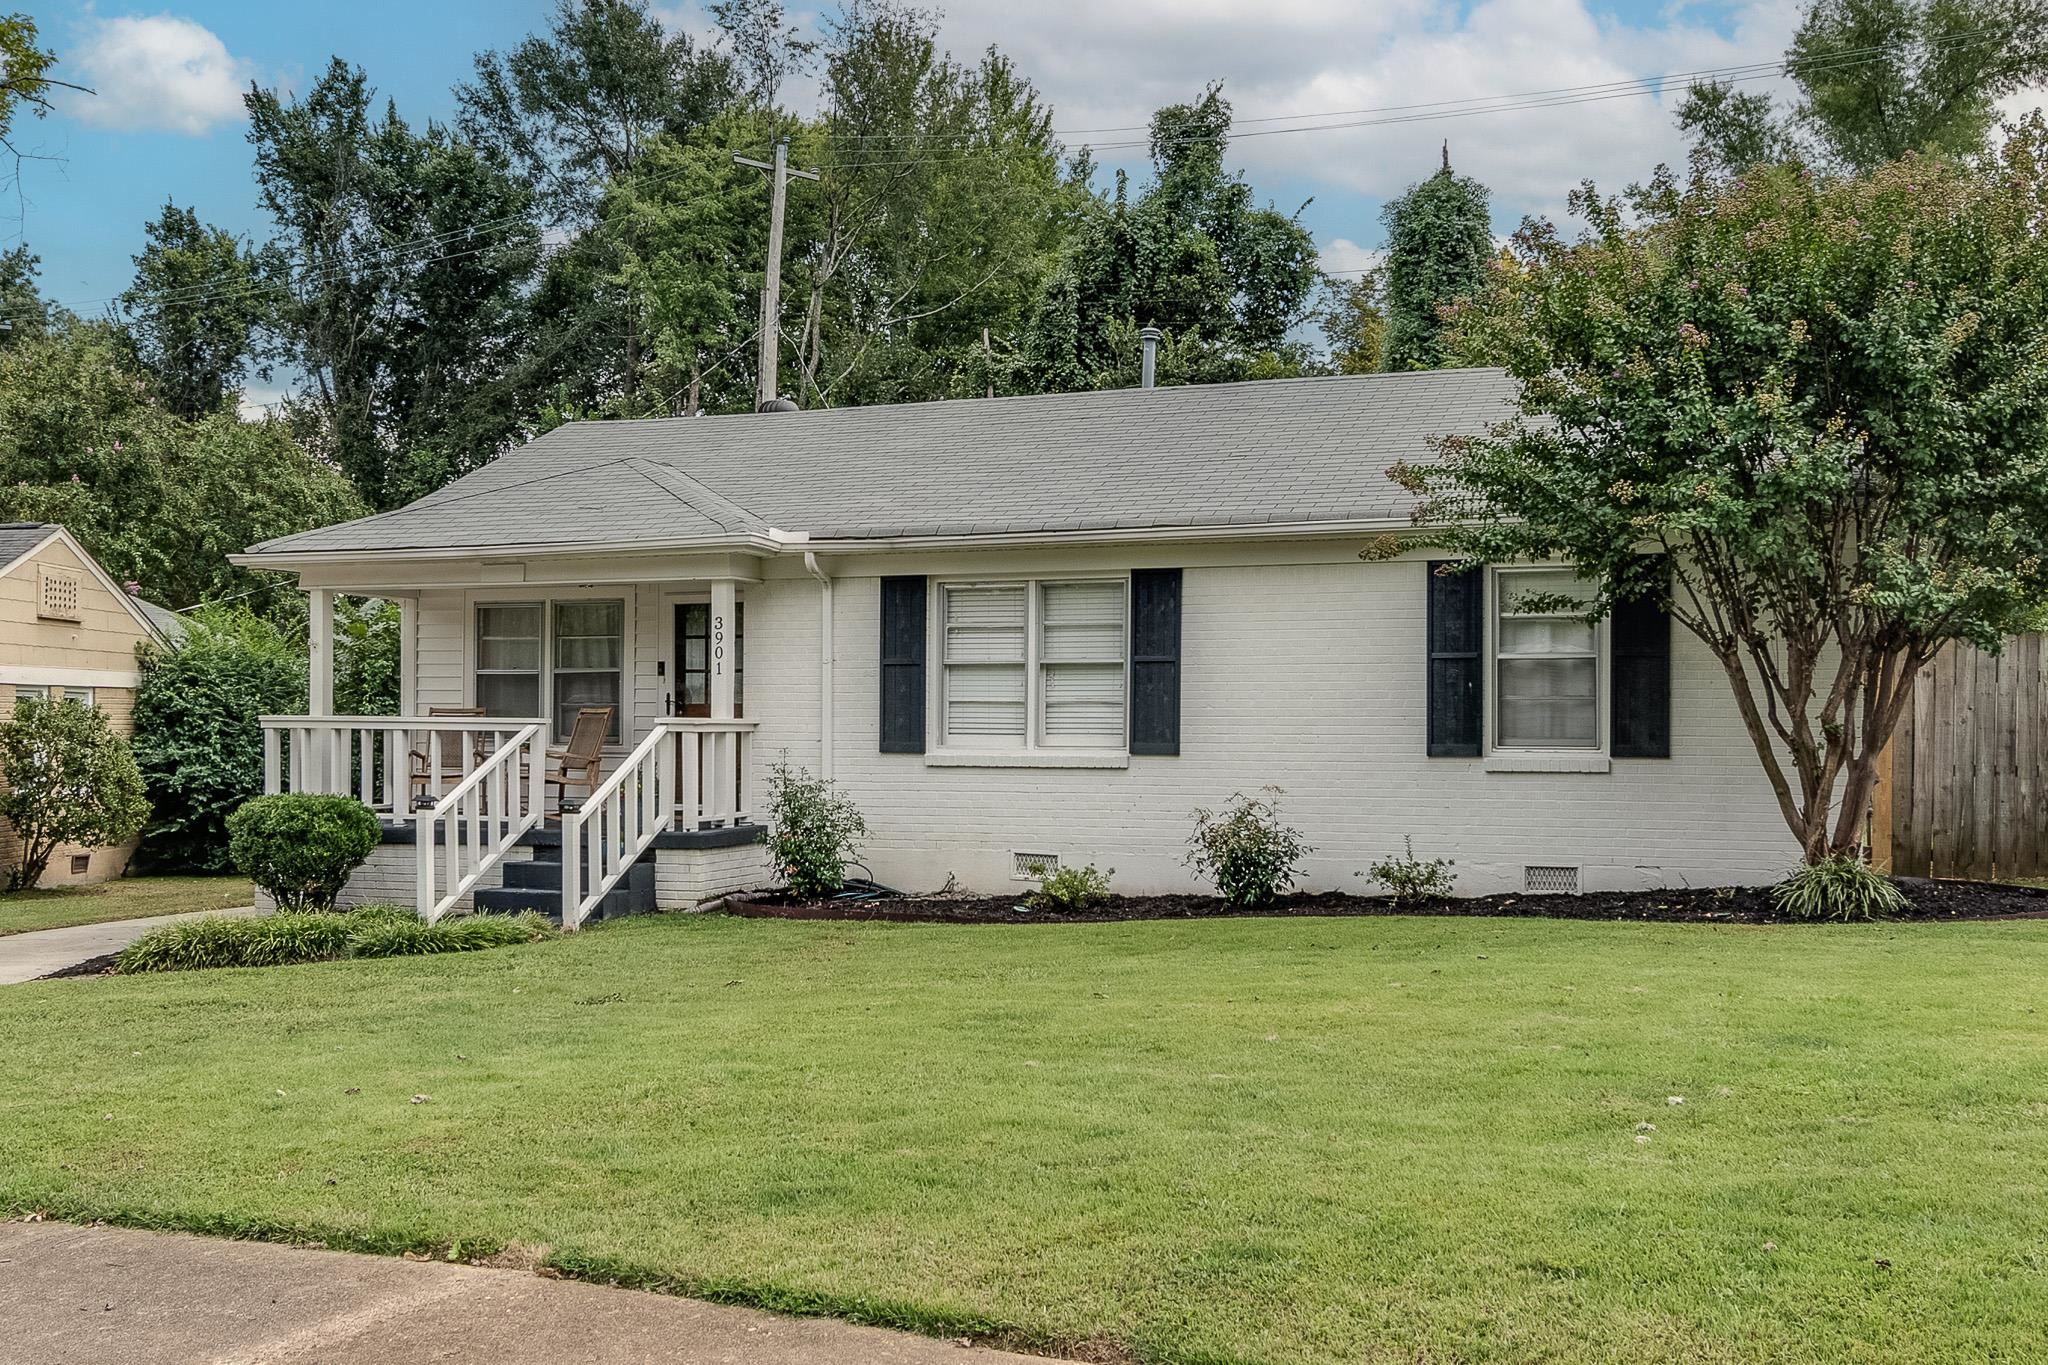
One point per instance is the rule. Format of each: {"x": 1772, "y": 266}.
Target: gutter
{"x": 817, "y": 571}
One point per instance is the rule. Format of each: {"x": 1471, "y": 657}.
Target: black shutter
{"x": 1640, "y": 635}
{"x": 1456, "y": 684}
{"x": 903, "y": 647}
{"x": 1155, "y": 661}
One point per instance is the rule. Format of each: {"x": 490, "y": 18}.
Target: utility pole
{"x": 779, "y": 175}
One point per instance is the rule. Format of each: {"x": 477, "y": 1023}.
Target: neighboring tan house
{"x": 67, "y": 632}
{"x": 1017, "y": 632}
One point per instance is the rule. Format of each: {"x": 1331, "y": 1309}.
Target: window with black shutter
{"x": 1455, "y": 629}
{"x": 902, "y": 664}
{"x": 1155, "y": 661}
{"x": 1640, "y": 637}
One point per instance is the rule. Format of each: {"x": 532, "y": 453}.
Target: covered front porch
{"x": 595, "y": 724}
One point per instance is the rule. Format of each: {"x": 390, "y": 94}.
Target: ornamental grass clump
{"x": 1839, "y": 888}
{"x": 814, "y": 830}
{"x": 1245, "y": 851}
{"x": 292, "y": 937}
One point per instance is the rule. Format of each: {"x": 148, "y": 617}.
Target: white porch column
{"x": 724, "y": 598}
{"x": 721, "y": 752}
{"x": 320, "y": 651}
{"x": 408, "y": 656}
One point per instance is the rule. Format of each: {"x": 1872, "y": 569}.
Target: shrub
{"x": 301, "y": 848}
{"x": 69, "y": 780}
{"x": 1072, "y": 890}
{"x": 285, "y": 938}
{"x": 1843, "y": 887}
{"x": 1245, "y": 851}
{"x": 1411, "y": 879}
{"x": 814, "y": 830}
{"x": 197, "y": 739}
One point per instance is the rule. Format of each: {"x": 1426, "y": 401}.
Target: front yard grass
{"x": 1239, "y": 1140}
{"x": 124, "y": 898}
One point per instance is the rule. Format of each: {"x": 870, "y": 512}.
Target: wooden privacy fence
{"x": 1967, "y": 793}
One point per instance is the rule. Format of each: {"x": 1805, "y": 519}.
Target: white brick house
{"x": 1012, "y": 627}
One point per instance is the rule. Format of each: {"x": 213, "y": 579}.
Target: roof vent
{"x": 778, "y": 405}
{"x": 1148, "y": 369}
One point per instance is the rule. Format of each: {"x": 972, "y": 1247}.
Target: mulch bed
{"x": 1927, "y": 900}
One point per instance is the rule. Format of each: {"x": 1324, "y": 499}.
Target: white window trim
{"x": 622, "y": 594}
{"x": 1503, "y": 759}
{"x": 1032, "y": 752}
{"x": 63, "y": 691}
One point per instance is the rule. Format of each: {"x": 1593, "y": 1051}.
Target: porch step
{"x": 537, "y": 885}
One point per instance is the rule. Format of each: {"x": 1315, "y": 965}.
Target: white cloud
{"x": 1342, "y": 256}
{"x": 157, "y": 72}
{"x": 1108, "y": 66}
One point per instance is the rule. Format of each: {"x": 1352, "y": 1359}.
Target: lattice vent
{"x": 1033, "y": 867}
{"x": 1550, "y": 881}
{"x": 59, "y": 600}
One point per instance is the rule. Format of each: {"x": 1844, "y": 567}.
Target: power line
{"x": 405, "y": 252}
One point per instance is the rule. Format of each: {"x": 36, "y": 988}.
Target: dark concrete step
{"x": 539, "y": 887}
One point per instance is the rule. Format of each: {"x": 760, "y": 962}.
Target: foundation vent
{"x": 1550, "y": 881}
{"x": 1033, "y": 867}
{"x": 81, "y": 863}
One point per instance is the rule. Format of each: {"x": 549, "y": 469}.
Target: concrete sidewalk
{"x": 109, "y": 1296}
{"x": 24, "y": 957}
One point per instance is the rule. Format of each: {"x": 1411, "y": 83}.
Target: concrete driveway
{"x": 24, "y": 957}
{"x": 110, "y": 1296}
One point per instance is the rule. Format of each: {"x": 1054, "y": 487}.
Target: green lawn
{"x": 1409, "y": 1140}
{"x": 127, "y": 898}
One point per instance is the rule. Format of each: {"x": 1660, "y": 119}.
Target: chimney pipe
{"x": 1149, "y": 338}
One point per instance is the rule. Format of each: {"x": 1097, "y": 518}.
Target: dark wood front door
{"x": 701, "y": 650}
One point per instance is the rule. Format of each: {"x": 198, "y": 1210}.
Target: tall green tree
{"x": 24, "y": 80}
{"x": 1878, "y": 79}
{"x": 1355, "y": 324}
{"x": 1193, "y": 254}
{"x": 25, "y": 315}
{"x": 574, "y": 110}
{"x": 1439, "y": 244}
{"x": 937, "y": 218}
{"x": 192, "y": 311}
{"x": 402, "y": 297}
{"x": 152, "y": 497}
{"x": 1808, "y": 413}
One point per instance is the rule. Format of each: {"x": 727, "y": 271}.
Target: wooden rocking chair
{"x": 580, "y": 760}
{"x": 453, "y": 769}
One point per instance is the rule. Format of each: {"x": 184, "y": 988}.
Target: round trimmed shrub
{"x": 301, "y": 849}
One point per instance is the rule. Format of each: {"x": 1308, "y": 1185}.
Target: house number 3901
{"x": 718, "y": 644}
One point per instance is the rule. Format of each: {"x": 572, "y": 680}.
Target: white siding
{"x": 1301, "y": 666}
{"x": 1310, "y": 677}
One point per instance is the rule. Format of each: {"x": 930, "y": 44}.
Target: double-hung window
{"x": 1033, "y": 664}
{"x": 537, "y": 658}
{"x": 1546, "y": 662}
{"x": 589, "y": 657}
{"x": 84, "y": 696}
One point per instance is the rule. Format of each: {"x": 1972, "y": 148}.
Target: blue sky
{"x": 167, "y": 122}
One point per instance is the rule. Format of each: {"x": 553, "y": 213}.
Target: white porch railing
{"x": 471, "y": 828}
{"x": 687, "y": 773}
{"x": 387, "y": 762}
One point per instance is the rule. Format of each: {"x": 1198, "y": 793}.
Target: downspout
{"x": 824, "y": 663}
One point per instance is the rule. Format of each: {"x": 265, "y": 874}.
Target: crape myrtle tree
{"x": 1809, "y": 413}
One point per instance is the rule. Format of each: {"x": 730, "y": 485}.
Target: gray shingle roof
{"x": 1277, "y": 452}
{"x": 17, "y": 538}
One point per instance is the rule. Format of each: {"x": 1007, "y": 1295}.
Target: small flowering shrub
{"x": 1841, "y": 888}
{"x": 1072, "y": 890}
{"x": 1245, "y": 851}
{"x": 814, "y": 830}
{"x": 1410, "y": 879}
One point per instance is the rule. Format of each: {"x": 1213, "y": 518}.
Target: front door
{"x": 701, "y": 650}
